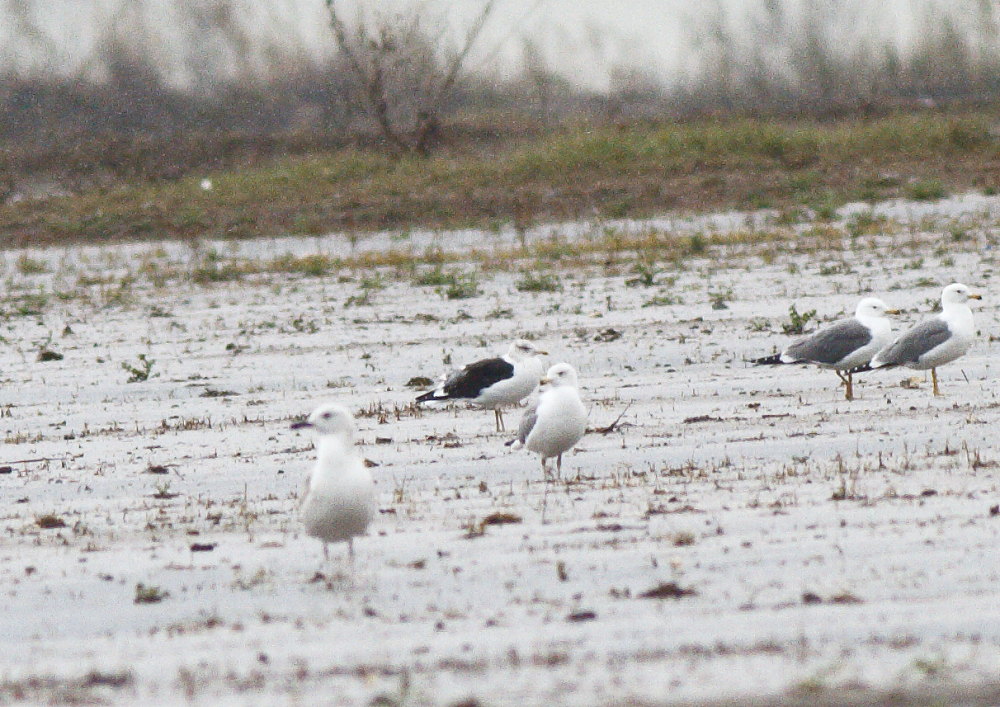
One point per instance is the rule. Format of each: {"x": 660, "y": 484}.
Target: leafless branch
{"x": 375, "y": 58}
{"x": 611, "y": 428}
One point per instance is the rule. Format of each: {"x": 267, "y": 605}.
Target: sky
{"x": 587, "y": 42}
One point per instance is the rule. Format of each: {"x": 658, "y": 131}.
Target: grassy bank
{"x": 609, "y": 171}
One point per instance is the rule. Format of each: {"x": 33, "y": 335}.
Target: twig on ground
{"x": 611, "y": 428}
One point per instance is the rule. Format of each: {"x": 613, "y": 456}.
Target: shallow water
{"x": 721, "y": 477}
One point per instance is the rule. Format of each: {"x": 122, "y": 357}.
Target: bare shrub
{"x": 403, "y": 80}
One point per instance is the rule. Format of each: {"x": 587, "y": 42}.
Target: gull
{"x": 557, "y": 420}
{"x": 843, "y": 345}
{"x": 339, "y": 499}
{"x": 494, "y": 382}
{"x": 935, "y": 341}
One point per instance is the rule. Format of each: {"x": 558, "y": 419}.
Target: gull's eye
{"x": 327, "y": 415}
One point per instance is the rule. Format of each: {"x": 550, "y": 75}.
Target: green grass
{"x": 570, "y": 172}
{"x": 538, "y": 282}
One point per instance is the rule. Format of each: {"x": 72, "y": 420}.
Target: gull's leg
{"x": 934, "y": 381}
{"x": 326, "y": 551}
{"x": 846, "y": 380}
{"x": 499, "y": 419}
{"x": 559, "y": 466}
{"x": 350, "y": 550}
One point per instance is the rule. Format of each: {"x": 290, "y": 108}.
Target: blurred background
{"x": 99, "y": 90}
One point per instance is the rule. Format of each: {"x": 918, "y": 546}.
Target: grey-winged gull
{"x": 843, "y": 345}
{"x": 494, "y": 382}
{"x": 935, "y": 341}
{"x": 557, "y": 420}
{"x": 339, "y": 499}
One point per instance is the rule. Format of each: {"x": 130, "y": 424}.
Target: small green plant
{"x": 538, "y": 282}
{"x": 926, "y": 190}
{"x": 211, "y": 267}
{"x": 29, "y": 305}
{"x": 662, "y": 301}
{"x": 359, "y": 300}
{"x": 500, "y": 313}
{"x": 139, "y": 371}
{"x": 149, "y": 595}
{"x": 825, "y": 209}
{"x": 436, "y": 277}
{"x": 864, "y": 223}
{"x": 374, "y": 281}
{"x": 835, "y": 269}
{"x": 163, "y": 491}
{"x": 303, "y": 325}
{"x": 797, "y": 322}
{"x": 645, "y": 275}
{"x": 27, "y": 265}
{"x": 697, "y": 244}
{"x": 719, "y": 298}
{"x": 316, "y": 265}
{"x": 463, "y": 287}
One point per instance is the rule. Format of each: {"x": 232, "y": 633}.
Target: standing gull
{"x": 844, "y": 344}
{"x": 935, "y": 341}
{"x": 557, "y": 420}
{"x": 339, "y": 500}
{"x": 494, "y": 382}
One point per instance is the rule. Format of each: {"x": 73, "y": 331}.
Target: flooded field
{"x": 723, "y": 531}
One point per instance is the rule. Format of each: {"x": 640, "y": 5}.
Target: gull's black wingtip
{"x": 767, "y": 360}
{"x": 430, "y": 395}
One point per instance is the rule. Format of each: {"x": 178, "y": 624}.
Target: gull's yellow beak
{"x": 543, "y": 353}
{"x": 544, "y": 380}
{"x": 893, "y": 311}
{"x": 975, "y": 295}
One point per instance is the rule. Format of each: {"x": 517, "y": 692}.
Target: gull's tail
{"x": 436, "y": 394}
{"x": 865, "y": 367}
{"x": 767, "y": 360}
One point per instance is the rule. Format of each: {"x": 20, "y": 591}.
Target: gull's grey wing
{"x": 915, "y": 343}
{"x": 527, "y": 422}
{"x": 831, "y": 344}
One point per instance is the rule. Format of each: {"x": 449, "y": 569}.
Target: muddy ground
{"x": 732, "y": 532}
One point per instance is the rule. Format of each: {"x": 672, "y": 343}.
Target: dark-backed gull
{"x": 494, "y": 382}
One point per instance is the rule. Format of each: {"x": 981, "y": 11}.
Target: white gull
{"x": 339, "y": 500}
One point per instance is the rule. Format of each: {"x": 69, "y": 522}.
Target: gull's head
{"x": 559, "y": 375}
{"x": 522, "y": 349}
{"x": 957, "y": 293}
{"x": 329, "y": 419}
{"x": 873, "y": 307}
